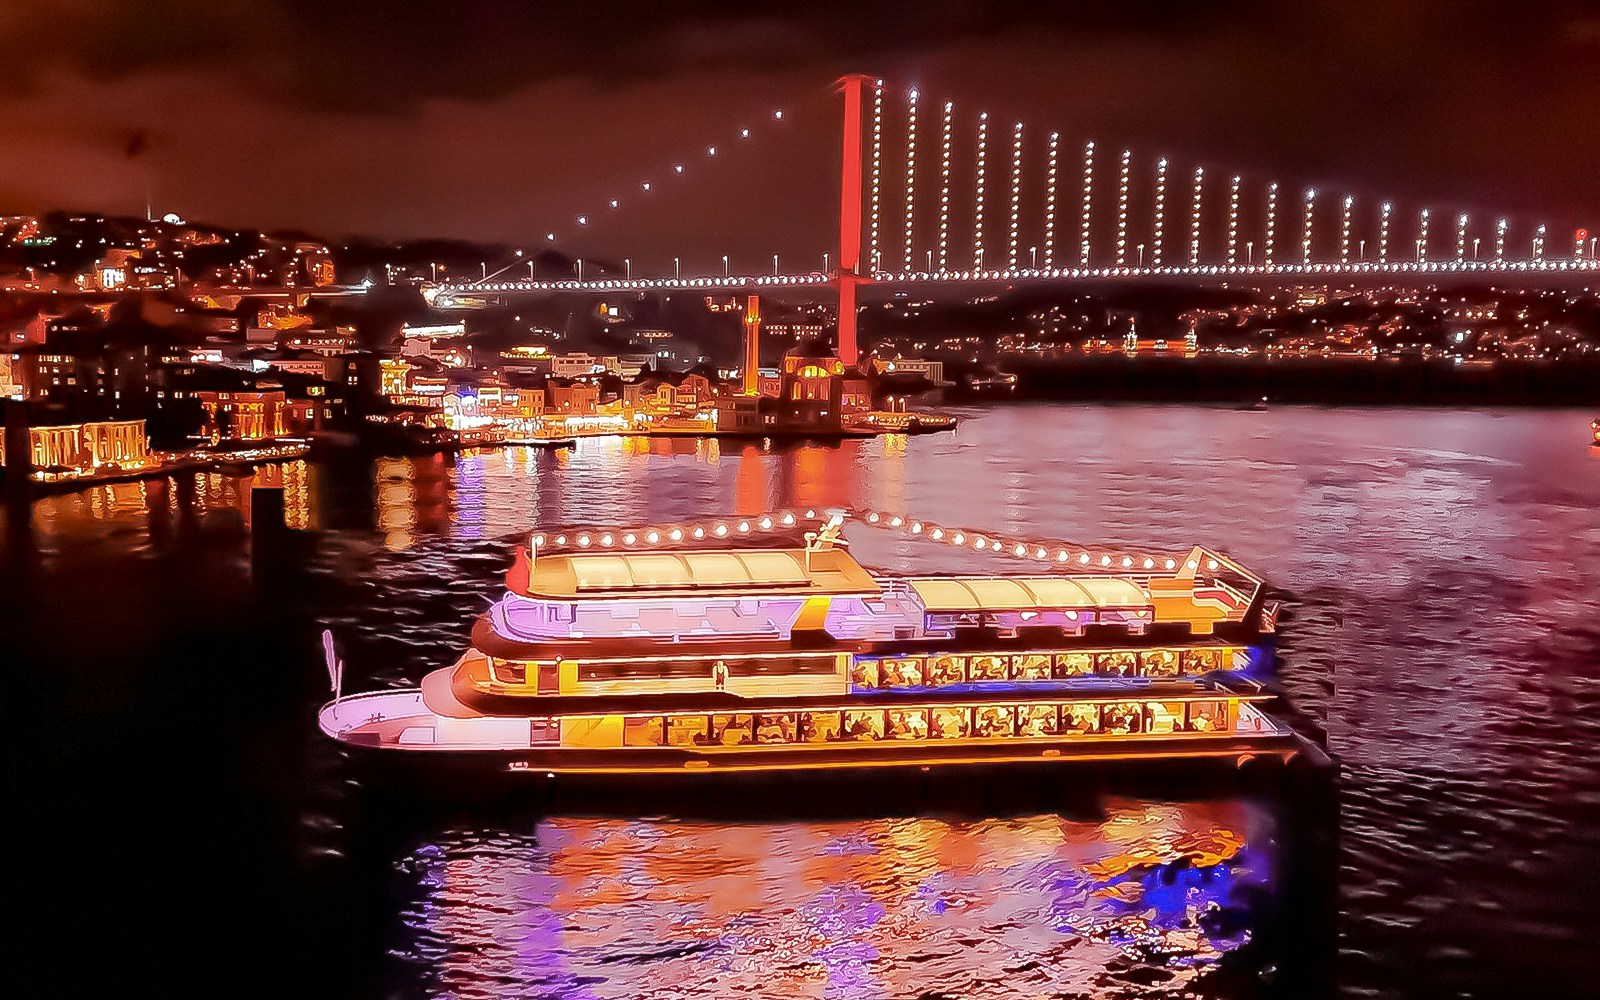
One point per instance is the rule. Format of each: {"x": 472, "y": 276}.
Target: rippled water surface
{"x": 1441, "y": 636}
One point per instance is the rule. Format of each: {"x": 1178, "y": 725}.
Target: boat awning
{"x": 751, "y": 572}
{"x": 952, "y": 595}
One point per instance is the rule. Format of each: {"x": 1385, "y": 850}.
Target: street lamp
{"x": 1475, "y": 241}
{"x": 1141, "y": 256}
{"x": 533, "y": 272}
{"x": 627, "y": 268}
{"x": 725, "y": 265}
{"x": 675, "y": 274}
{"x": 1362, "y": 253}
{"x": 774, "y": 265}
{"x": 930, "y": 261}
{"x": 580, "y": 270}
{"x": 1249, "y": 253}
{"x": 824, "y": 263}
{"x": 1033, "y": 258}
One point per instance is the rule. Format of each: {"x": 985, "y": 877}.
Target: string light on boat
{"x": 1538, "y": 244}
{"x": 1305, "y": 232}
{"x": 1122, "y": 208}
{"x": 1500, "y": 242}
{"x": 1050, "y": 203}
{"x": 1344, "y": 231}
{"x": 721, "y": 530}
{"x": 1422, "y": 237}
{"x": 1016, "y": 195}
{"x": 1088, "y": 203}
{"x": 1461, "y": 238}
{"x": 1233, "y": 221}
{"x": 1194, "y": 218}
{"x": 944, "y": 187}
{"x": 977, "y": 212}
{"x": 911, "y": 174}
{"x": 1272, "y": 223}
{"x": 676, "y": 534}
{"x": 1383, "y": 233}
{"x": 1161, "y": 212}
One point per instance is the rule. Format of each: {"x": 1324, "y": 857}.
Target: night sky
{"x": 503, "y": 121}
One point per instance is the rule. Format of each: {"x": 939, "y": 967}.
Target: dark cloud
{"x": 503, "y": 119}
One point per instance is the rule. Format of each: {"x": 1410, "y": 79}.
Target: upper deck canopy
{"x": 943, "y": 596}
{"x": 724, "y": 572}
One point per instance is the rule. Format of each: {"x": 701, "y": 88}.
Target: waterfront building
{"x": 83, "y": 447}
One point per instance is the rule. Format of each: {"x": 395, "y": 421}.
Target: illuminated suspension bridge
{"x": 900, "y": 212}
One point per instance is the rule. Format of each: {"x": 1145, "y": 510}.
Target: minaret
{"x": 752, "y": 346}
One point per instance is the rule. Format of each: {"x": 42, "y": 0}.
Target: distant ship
{"x": 759, "y": 644}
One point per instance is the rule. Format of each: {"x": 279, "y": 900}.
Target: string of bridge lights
{"x": 646, "y": 186}
{"x": 1236, "y": 256}
{"x": 1068, "y": 557}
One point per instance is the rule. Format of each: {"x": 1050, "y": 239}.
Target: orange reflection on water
{"x": 995, "y": 907}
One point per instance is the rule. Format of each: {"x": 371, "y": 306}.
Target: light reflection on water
{"x": 865, "y": 908}
{"x": 1439, "y": 571}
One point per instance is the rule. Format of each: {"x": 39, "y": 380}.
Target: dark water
{"x": 178, "y": 825}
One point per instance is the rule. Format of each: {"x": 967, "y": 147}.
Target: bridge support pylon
{"x": 854, "y": 88}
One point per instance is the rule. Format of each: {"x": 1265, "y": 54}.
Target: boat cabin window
{"x": 1159, "y": 663}
{"x": 1080, "y": 719}
{"x": 1164, "y": 717}
{"x": 865, "y": 674}
{"x": 1201, "y": 661}
{"x": 686, "y": 730}
{"x": 1116, "y": 665}
{"x": 780, "y": 728}
{"x": 907, "y": 724}
{"x": 988, "y": 668}
{"x": 1037, "y": 720}
{"x": 819, "y": 727}
{"x": 507, "y": 672}
{"x": 1208, "y": 716}
{"x": 863, "y": 725}
{"x": 732, "y": 730}
{"x": 902, "y": 673}
{"x": 991, "y": 720}
{"x": 1122, "y": 718}
{"x": 1074, "y": 664}
{"x": 650, "y": 731}
{"x": 1031, "y": 667}
{"x": 949, "y": 723}
{"x": 943, "y": 670}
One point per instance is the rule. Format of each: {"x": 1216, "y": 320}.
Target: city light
{"x": 1194, "y": 216}
{"x": 1538, "y": 244}
{"x": 1500, "y": 241}
{"x": 1122, "y": 208}
{"x": 1088, "y": 199}
{"x": 1461, "y": 238}
{"x": 1233, "y": 221}
{"x": 1160, "y": 212}
{"x": 911, "y": 174}
{"x": 977, "y": 216}
{"x": 1422, "y": 237}
{"x": 1016, "y": 195}
{"x": 944, "y": 188}
{"x": 1050, "y": 203}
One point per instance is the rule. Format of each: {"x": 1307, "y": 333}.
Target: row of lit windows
{"x": 946, "y": 722}
{"x": 940, "y": 671}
